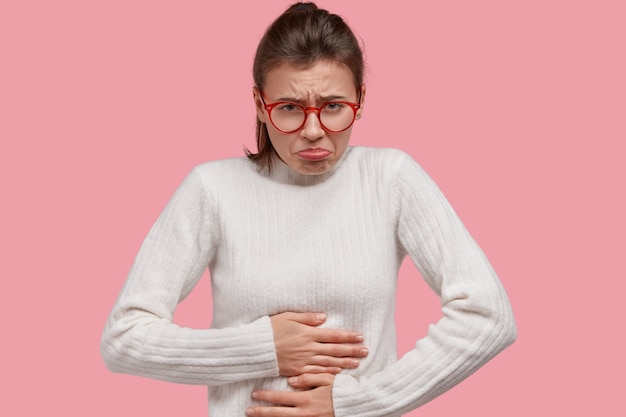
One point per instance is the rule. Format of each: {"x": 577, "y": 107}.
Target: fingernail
{"x": 336, "y": 370}
{"x": 359, "y": 338}
{"x": 293, "y": 380}
{"x": 250, "y": 412}
{"x": 255, "y": 395}
{"x": 321, "y": 316}
{"x": 364, "y": 352}
{"x": 354, "y": 362}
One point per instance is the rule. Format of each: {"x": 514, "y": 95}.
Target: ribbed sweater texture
{"x": 328, "y": 243}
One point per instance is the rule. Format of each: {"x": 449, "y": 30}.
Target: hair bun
{"x": 303, "y": 7}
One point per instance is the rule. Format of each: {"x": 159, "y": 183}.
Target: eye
{"x": 288, "y": 107}
{"x": 333, "y": 106}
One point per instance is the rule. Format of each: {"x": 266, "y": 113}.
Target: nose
{"x": 312, "y": 129}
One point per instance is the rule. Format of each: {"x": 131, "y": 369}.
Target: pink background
{"x": 517, "y": 109}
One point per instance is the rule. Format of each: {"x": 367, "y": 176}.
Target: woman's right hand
{"x": 303, "y": 348}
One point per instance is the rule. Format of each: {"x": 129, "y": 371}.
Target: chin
{"x": 314, "y": 168}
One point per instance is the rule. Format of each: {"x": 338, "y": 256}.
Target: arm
{"x": 477, "y": 320}
{"x": 141, "y": 339}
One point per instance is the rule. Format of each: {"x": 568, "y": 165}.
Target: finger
{"x": 310, "y": 319}
{"x": 284, "y": 398}
{"x": 342, "y": 350}
{"x": 314, "y": 369}
{"x": 311, "y": 380}
{"x": 337, "y": 336}
{"x": 332, "y": 362}
{"x": 271, "y": 412}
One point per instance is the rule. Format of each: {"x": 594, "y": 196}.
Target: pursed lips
{"x": 314, "y": 154}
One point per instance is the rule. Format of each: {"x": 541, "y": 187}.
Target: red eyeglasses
{"x": 334, "y": 116}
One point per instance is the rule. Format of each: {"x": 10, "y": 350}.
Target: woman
{"x": 304, "y": 239}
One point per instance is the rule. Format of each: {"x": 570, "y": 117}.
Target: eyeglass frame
{"x": 269, "y": 107}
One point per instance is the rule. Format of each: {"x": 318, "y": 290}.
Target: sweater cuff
{"x": 200, "y": 357}
{"x": 359, "y": 397}
{"x": 344, "y": 388}
{"x": 263, "y": 361}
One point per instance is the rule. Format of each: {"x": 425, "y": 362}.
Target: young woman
{"x": 303, "y": 240}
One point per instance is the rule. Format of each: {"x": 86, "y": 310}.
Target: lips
{"x": 316, "y": 154}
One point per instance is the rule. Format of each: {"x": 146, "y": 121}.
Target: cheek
{"x": 341, "y": 141}
{"x": 281, "y": 142}
{"x": 280, "y": 148}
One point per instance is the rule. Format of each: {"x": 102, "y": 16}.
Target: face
{"x": 311, "y": 150}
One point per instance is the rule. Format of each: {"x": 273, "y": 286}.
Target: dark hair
{"x": 301, "y": 36}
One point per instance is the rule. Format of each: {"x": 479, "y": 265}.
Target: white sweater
{"x": 289, "y": 242}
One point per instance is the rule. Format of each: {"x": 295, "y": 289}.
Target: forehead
{"x": 322, "y": 78}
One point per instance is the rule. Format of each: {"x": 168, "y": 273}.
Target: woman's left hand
{"x": 315, "y": 401}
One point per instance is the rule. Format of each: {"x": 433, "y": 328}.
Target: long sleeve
{"x": 477, "y": 320}
{"x": 140, "y": 337}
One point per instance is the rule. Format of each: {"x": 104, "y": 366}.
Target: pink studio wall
{"x": 517, "y": 109}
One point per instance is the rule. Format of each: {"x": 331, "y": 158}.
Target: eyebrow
{"x": 323, "y": 99}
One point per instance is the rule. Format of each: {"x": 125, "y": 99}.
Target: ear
{"x": 258, "y": 104}
{"x": 359, "y": 112}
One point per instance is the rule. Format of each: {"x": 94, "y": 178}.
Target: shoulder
{"x": 395, "y": 170}
{"x": 388, "y": 162}
{"x": 224, "y": 171}
{"x": 210, "y": 178}
{"x": 375, "y": 154}
{"x": 221, "y": 167}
